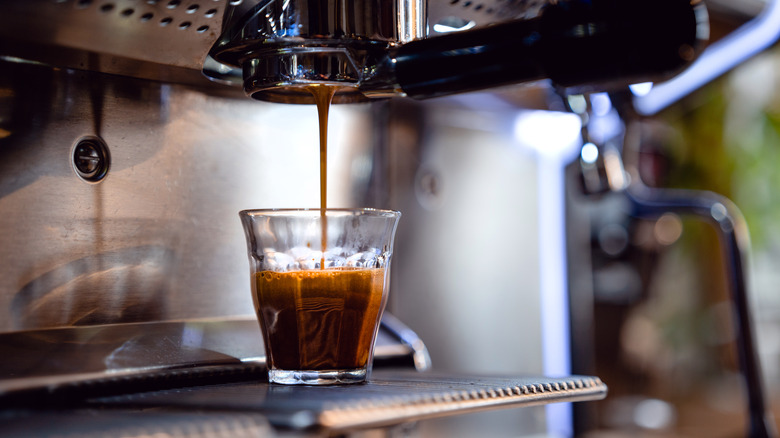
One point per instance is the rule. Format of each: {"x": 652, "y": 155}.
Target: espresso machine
{"x": 132, "y": 132}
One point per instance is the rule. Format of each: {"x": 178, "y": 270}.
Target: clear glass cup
{"x": 319, "y": 285}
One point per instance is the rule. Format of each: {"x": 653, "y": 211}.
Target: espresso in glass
{"x": 320, "y": 319}
{"x": 319, "y": 307}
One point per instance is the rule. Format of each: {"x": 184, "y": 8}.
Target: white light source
{"x": 601, "y": 104}
{"x": 654, "y": 414}
{"x": 555, "y": 137}
{"x": 549, "y": 133}
{"x": 641, "y": 89}
{"x": 451, "y": 25}
{"x": 589, "y": 153}
{"x": 577, "y": 103}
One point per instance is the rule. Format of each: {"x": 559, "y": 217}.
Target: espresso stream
{"x": 319, "y": 319}
{"x": 323, "y": 95}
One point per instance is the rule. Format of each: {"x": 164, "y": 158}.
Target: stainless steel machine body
{"x": 140, "y": 163}
{"x": 158, "y": 238}
{"x": 122, "y": 170}
{"x": 155, "y": 238}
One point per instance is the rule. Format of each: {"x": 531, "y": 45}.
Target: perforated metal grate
{"x": 195, "y": 16}
{"x": 175, "y": 33}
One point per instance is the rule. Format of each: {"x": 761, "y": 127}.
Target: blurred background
{"x": 663, "y": 322}
{"x": 650, "y": 307}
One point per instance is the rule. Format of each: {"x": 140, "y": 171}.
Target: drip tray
{"x": 64, "y": 365}
{"x": 391, "y": 397}
{"x": 158, "y": 378}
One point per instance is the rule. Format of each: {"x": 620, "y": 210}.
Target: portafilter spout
{"x": 278, "y": 47}
{"x": 377, "y": 48}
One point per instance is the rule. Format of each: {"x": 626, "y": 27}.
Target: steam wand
{"x": 649, "y": 203}
{"x": 732, "y": 231}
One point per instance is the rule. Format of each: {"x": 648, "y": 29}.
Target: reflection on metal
{"x": 412, "y": 20}
{"x": 280, "y": 46}
{"x": 408, "y": 338}
{"x": 159, "y": 238}
{"x": 118, "y": 358}
{"x": 95, "y": 359}
{"x": 484, "y": 12}
{"x": 68, "y": 294}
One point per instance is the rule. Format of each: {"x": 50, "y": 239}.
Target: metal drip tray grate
{"x": 170, "y": 371}
{"x": 252, "y": 408}
{"x": 390, "y": 398}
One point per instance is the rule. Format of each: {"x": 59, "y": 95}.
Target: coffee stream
{"x": 323, "y": 94}
{"x": 319, "y": 319}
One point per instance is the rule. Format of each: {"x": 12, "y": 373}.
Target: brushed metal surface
{"x": 159, "y": 238}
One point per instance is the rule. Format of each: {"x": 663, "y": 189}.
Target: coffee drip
{"x": 323, "y": 95}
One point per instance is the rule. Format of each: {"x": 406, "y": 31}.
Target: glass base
{"x": 312, "y": 377}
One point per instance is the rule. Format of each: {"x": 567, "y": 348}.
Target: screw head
{"x": 91, "y": 159}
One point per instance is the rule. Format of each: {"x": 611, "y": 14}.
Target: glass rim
{"x": 378, "y": 212}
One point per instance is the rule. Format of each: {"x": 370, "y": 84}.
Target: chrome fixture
{"x": 379, "y": 48}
